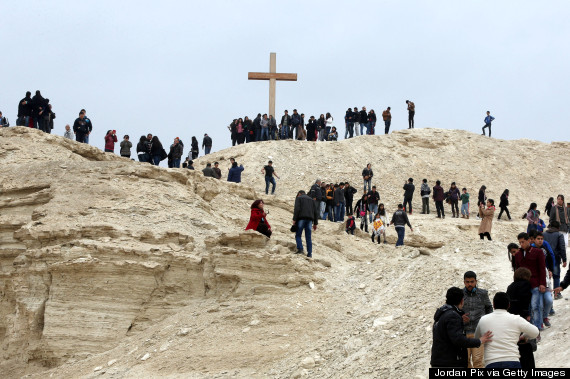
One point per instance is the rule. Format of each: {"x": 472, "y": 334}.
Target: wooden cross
{"x": 272, "y": 76}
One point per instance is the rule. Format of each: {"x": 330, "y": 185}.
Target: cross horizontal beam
{"x": 271, "y": 75}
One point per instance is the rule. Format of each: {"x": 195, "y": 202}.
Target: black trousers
{"x": 387, "y": 126}
{"x": 349, "y": 206}
{"x": 454, "y": 207}
{"x": 504, "y": 209}
{"x": 487, "y": 126}
{"x": 486, "y": 234}
{"x": 411, "y": 115}
{"x": 439, "y": 208}
{"x": 408, "y": 200}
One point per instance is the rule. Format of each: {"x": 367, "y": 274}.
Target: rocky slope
{"x": 117, "y": 268}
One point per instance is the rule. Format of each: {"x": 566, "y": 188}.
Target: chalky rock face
{"x": 114, "y": 267}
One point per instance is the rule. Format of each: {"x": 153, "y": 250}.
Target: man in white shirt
{"x": 502, "y": 351}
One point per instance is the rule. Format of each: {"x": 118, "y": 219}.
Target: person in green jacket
{"x": 464, "y": 203}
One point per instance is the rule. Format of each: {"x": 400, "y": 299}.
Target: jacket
{"x": 363, "y": 117}
{"x": 209, "y": 172}
{"x": 454, "y": 193}
{"x": 315, "y": 192}
{"x": 338, "y": 196}
{"x": 296, "y": 119}
{"x": 217, "y": 172}
{"x": 556, "y": 242}
{"x": 110, "y": 140}
{"x": 257, "y": 216}
{"x": 535, "y": 262}
{"x": 373, "y": 197}
{"x": 176, "y": 150}
{"x": 386, "y": 115}
{"x": 349, "y": 117}
{"x": 476, "y": 305}
{"x": 80, "y": 126}
{"x": 560, "y": 214}
{"x": 235, "y": 174}
{"x": 486, "y": 220}
{"x": 520, "y": 294}
{"x": 400, "y": 218}
{"x": 425, "y": 190}
{"x": 126, "y": 147}
{"x": 449, "y": 348}
{"x": 409, "y": 189}
{"x": 207, "y": 142}
{"x": 286, "y": 118}
{"x": 305, "y": 209}
{"x": 438, "y": 193}
{"x": 349, "y": 193}
{"x": 25, "y": 110}
{"x": 367, "y": 172}
{"x": 156, "y": 148}
{"x": 489, "y": 119}
{"x": 4, "y": 122}
{"x": 504, "y": 201}
{"x": 69, "y": 134}
{"x": 411, "y": 106}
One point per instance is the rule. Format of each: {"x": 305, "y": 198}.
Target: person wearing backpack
{"x": 424, "y": 193}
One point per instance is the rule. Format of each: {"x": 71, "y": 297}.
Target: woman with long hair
{"x": 371, "y": 121}
{"x": 329, "y": 123}
{"x": 110, "y": 139}
{"x": 486, "y": 219}
{"x": 258, "y": 219}
{"x": 195, "y": 148}
{"x": 142, "y": 150}
{"x": 503, "y": 204}
{"x": 532, "y": 217}
{"x": 156, "y": 151}
{"x": 548, "y": 207}
{"x": 481, "y": 198}
{"x": 240, "y": 130}
{"x": 321, "y": 127}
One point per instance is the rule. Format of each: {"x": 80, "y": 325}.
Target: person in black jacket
{"x": 409, "y": 189}
{"x": 503, "y": 204}
{"x": 338, "y": 200}
{"x": 206, "y": 144}
{"x": 349, "y": 192}
{"x": 349, "y": 122}
{"x": 38, "y": 108}
{"x": 367, "y": 175}
{"x": 520, "y": 294}
{"x": 176, "y": 151}
{"x": 195, "y": 149}
{"x": 25, "y": 110}
{"x": 363, "y": 121}
{"x": 305, "y": 216}
{"x": 80, "y": 128}
{"x": 312, "y": 129}
{"x": 400, "y": 220}
{"x": 481, "y": 198}
{"x": 449, "y": 348}
{"x": 156, "y": 151}
{"x": 142, "y": 150}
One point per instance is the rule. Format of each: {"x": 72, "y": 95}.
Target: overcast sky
{"x": 179, "y": 68}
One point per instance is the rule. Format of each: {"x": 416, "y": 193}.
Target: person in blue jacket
{"x": 488, "y": 121}
{"x": 235, "y": 173}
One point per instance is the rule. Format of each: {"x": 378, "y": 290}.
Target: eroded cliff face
{"x": 94, "y": 247}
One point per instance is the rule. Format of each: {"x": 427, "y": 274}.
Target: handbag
{"x": 163, "y": 155}
{"x": 294, "y": 228}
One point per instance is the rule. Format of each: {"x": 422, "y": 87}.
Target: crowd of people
{"x": 356, "y": 122}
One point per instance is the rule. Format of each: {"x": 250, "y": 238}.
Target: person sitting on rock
{"x": 258, "y": 219}
{"x": 350, "y": 224}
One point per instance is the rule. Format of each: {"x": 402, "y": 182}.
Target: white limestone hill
{"x": 110, "y": 267}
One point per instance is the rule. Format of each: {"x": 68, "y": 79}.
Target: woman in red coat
{"x": 110, "y": 140}
{"x": 258, "y": 219}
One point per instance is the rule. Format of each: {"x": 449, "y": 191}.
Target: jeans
{"x": 371, "y": 126}
{"x": 547, "y": 301}
{"x": 339, "y": 212}
{"x": 364, "y": 222}
{"x": 425, "y": 205}
{"x": 536, "y": 307}
{"x": 439, "y": 208}
{"x": 176, "y": 163}
{"x": 357, "y": 128}
{"x": 207, "y": 149}
{"x": 408, "y": 200}
{"x": 486, "y": 126}
{"x": 156, "y": 160}
{"x": 264, "y": 136}
{"x": 322, "y": 207}
{"x": 369, "y": 182}
{"x": 349, "y": 209}
{"x": 387, "y": 126}
{"x": 411, "y": 115}
{"x": 465, "y": 209}
{"x": 556, "y": 274}
{"x": 373, "y": 209}
{"x": 505, "y": 364}
{"x": 304, "y": 225}
{"x": 269, "y": 179}
{"x": 401, "y": 230}
{"x": 330, "y": 211}
{"x": 145, "y": 157}
{"x": 79, "y": 137}
{"x": 349, "y": 130}
{"x": 362, "y": 126}
{"x": 86, "y": 140}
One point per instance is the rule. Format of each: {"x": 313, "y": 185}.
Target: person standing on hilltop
{"x": 126, "y": 147}
{"x": 110, "y": 140}
{"x": 438, "y": 197}
{"x": 305, "y": 217}
{"x": 454, "y": 200}
{"x": 356, "y": 121}
{"x": 269, "y": 172}
{"x": 194, "y": 149}
{"x": 312, "y": 129}
{"x": 80, "y": 128}
{"x": 424, "y": 193}
{"x": 285, "y": 125}
{"x": 367, "y": 175}
{"x": 409, "y": 189}
{"x": 157, "y": 152}
{"x": 363, "y": 121}
{"x": 25, "y": 110}
{"x": 206, "y": 144}
{"x": 349, "y": 124}
{"x": 143, "y": 150}
{"x": 371, "y": 122}
{"x": 411, "y": 113}
{"x": 488, "y": 120}
{"x": 296, "y": 123}
{"x": 387, "y": 117}
{"x": 176, "y": 151}
{"x": 89, "y": 125}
